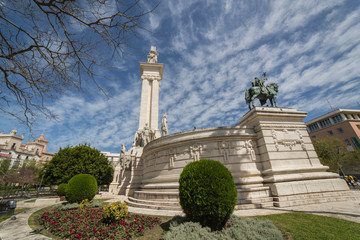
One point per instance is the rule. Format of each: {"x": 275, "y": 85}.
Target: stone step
{"x": 315, "y": 198}
{"x": 156, "y": 195}
{"x": 254, "y": 205}
{"x": 255, "y": 201}
{"x": 170, "y": 202}
{"x": 160, "y": 206}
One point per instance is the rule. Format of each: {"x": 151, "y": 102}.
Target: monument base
{"x": 269, "y": 153}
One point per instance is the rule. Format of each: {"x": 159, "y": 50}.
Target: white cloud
{"x": 310, "y": 48}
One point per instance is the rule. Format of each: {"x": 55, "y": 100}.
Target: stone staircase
{"x": 314, "y": 198}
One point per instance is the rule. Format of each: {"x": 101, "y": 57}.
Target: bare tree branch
{"x": 48, "y": 46}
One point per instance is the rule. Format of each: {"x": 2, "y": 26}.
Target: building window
{"x": 325, "y": 123}
{"x": 13, "y": 146}
{"x": 340, "y": 130}
{"x": 331, "y": 133}
{"x": 313, "y": 127}
{"x": 355, "y": 142}
{"x": 348, "y": 142}
{"x": 337, "y": 119}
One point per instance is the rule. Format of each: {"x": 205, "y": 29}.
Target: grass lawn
{"x": 308, "y": 226}
{"x": 17, "y": 211}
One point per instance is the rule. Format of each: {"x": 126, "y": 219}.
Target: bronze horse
{"x": 268, "y": 92}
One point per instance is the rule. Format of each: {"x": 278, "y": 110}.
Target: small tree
{"x": 82, "y": 159}
{"x": 331, "y": 151}
{"x": 4, "y": 166}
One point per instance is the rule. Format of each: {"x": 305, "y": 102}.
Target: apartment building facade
{"x": 340, "y": 123}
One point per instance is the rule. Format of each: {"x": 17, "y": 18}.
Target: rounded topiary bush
{"x": 81, "y": 187}
{"x": 207, "y": 193}
{"x": 60, "y": 191}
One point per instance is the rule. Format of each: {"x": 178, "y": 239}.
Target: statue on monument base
{"x": 262, "y": 92}
{"x": 164, "y": 126}
{"x": 144, "y": 136}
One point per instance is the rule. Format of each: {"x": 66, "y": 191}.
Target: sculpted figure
{"x": 146, "y": 134}
{"x": 164, "y": 126}
{"x": 152, "y": 57}
{"x": 123, "y": 150}
{"x": 138, "y": 141}
{"x": 262, "y": 92}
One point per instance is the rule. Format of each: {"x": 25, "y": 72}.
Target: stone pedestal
{"x": 290, "y": 166}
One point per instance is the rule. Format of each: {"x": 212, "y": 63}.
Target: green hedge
{"x": 60, "y": 191}
{"x": 207, "y": 193}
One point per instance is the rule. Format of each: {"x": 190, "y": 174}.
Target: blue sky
{"x": 211, "y": 51}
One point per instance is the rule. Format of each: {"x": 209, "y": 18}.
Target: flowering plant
{"x": 116, "y": 211}
{"x": 85, "y": 224}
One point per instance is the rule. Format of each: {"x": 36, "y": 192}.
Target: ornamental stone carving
{"x": 195, "y": 151}
{"x": 150, "y": 77}
{"x": 250, "y": 149}
{"x": 224, "y": 149}
{"x": 172, "y": 153}
{"x": 287, "y": 138}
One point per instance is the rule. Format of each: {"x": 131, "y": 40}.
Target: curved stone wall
{"x": 269, "y": 154}
{"x": 164, "y": 159}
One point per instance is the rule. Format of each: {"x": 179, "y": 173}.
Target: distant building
{"x": 11, "y": 147}
{"x": 340, "y": 123}
{"x": 112, "y": 157}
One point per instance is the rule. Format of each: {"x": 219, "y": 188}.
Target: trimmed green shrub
{"x": 240, "y": 228}
{"x": 188, "y": 230}
{"x": 251, "y": 229}
{"x": 60, "y": 191}
{"x": 81, "y": 187}
{"x": 114, "y": 212}
{"x": 207, "y": 193}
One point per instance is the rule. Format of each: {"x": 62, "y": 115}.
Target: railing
{"x": 13, "y": 191}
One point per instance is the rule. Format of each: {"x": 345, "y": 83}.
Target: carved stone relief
{"x": 224, "y": 149}
{"x": 172, "y": 153}
{"x": 195, "y": 151}
{"x": 250, "y": 149}
{"x": 287, "y": 138}
{"x": 150, "y": 77}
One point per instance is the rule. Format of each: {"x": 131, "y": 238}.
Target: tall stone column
{"x": 151, "y": 75}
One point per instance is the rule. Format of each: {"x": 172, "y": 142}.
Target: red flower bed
{"x": 87, "y": 224}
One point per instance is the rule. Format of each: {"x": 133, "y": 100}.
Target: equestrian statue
{"x": 262, "y": 92}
